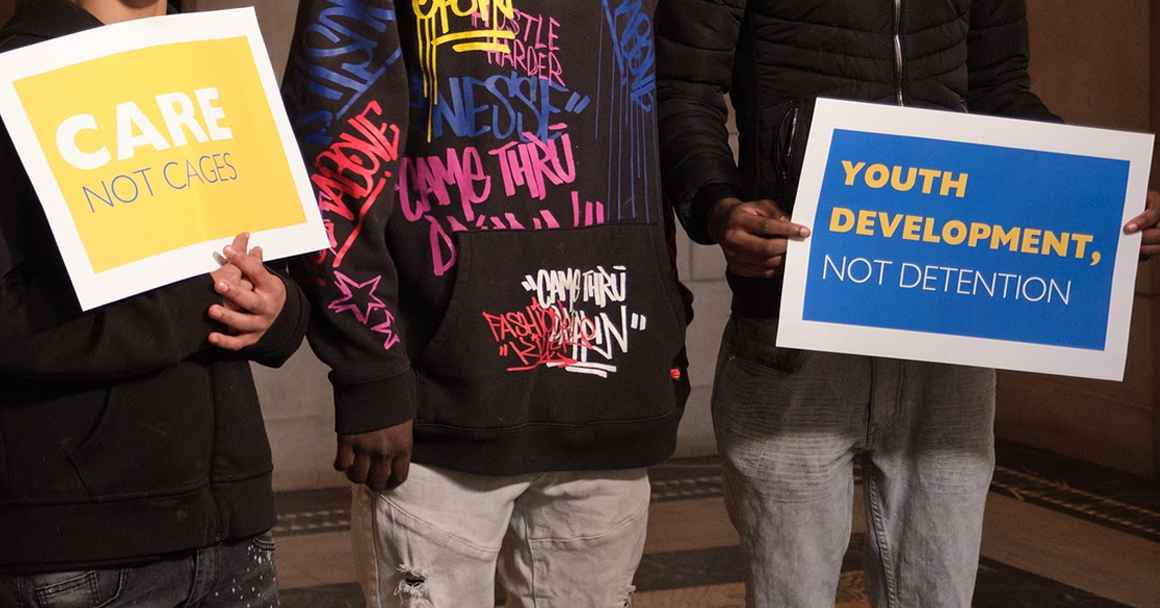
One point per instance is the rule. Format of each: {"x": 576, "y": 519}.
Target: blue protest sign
{"x": 964, "y": 239}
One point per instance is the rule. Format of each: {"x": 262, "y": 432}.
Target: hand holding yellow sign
{"x": 156, "y": 149}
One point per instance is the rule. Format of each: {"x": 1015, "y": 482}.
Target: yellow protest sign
{"x": 157, "y": 149}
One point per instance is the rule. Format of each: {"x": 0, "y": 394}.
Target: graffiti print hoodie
{"x": 499, "y": 269}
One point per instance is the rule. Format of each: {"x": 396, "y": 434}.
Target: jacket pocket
{"x": 555, "y": 327}
{"x": 41, "y": 427}
{"x": 784, "y": 135}
{"x": 154, "y": 437}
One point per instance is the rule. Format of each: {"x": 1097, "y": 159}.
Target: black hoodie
{"x": 124, "y": 436}
{"x": 499, "y": 270}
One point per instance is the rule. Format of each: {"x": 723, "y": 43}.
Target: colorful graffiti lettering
{"x": 630, "y": 127}
{"x": 551, "y": 331}
{"x": 534, "y": 47}
{"x": 503, "y": 106}
{"x": 535, "y": 164}
{"x": 349, "y": 31}
{"x": 572, "y": 286}
{"x": 632, "y": 45}
{"x": 432, "y": 178}
{"x": 453, "y": 22}
{"x": 354, "y": 169}
{"x": 350, "y": 177}
{"x": 453, "y": 191}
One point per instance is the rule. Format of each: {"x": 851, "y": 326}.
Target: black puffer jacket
{"x": 774, "y": 57}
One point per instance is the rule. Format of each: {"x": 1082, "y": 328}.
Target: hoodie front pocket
{"x": 561, "y": 327}
{"x": 155, "y": 437}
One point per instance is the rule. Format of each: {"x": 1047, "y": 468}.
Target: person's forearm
{"x": 126, "y": 339}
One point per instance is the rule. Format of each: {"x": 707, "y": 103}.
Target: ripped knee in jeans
{"x": 413, "y": 588}
{"x": 628, "y": 597}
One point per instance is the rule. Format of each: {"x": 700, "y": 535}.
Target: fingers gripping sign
{"x": 754, "y": 236}
{"x": 1146, "y": 223}
{"x": 253, "y": 297}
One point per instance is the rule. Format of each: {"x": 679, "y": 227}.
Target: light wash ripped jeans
{"x": 558, "y": 540}
{"x": 789, "y": 426}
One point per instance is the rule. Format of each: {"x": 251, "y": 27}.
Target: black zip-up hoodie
{"x": 124, "y": 436}
{"x": 499, "y": 270}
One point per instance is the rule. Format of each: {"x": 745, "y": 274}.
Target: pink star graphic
{"x": 354, "y": 294}
{"x": 387, "y": 328}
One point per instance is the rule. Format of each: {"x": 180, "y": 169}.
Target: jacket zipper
{"x": 789, "y": 148}
{"x": 898, "y": 50}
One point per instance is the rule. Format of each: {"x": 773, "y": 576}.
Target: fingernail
{"x": 230, "y": 250}
{"x": 223, "y": 287}
{"x": 805, "y": 232}
{"x": 1133, "y": 227}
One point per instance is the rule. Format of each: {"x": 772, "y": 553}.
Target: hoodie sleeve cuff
{"x": 371, "y": 406}
{"x": 285, "y": 335}
{"x": 703, "y": 203}
{"x": 191, "y": 299}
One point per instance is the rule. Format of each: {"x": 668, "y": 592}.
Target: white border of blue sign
{"x": 795, "y": 332}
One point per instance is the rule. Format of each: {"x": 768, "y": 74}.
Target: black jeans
{"x": 237, "y": 575}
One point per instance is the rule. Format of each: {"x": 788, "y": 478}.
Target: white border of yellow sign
{"x": 95, "y": 289}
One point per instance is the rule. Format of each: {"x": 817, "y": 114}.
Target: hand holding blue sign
{"x": 1146, "y": 223}
{"x": 754, "y": 235}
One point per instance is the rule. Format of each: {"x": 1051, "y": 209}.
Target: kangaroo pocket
{"x": 559, "y": 327}
{"x": 154, "y": 437}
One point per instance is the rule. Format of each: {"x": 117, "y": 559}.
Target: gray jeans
{"x": 789, "y": 425}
